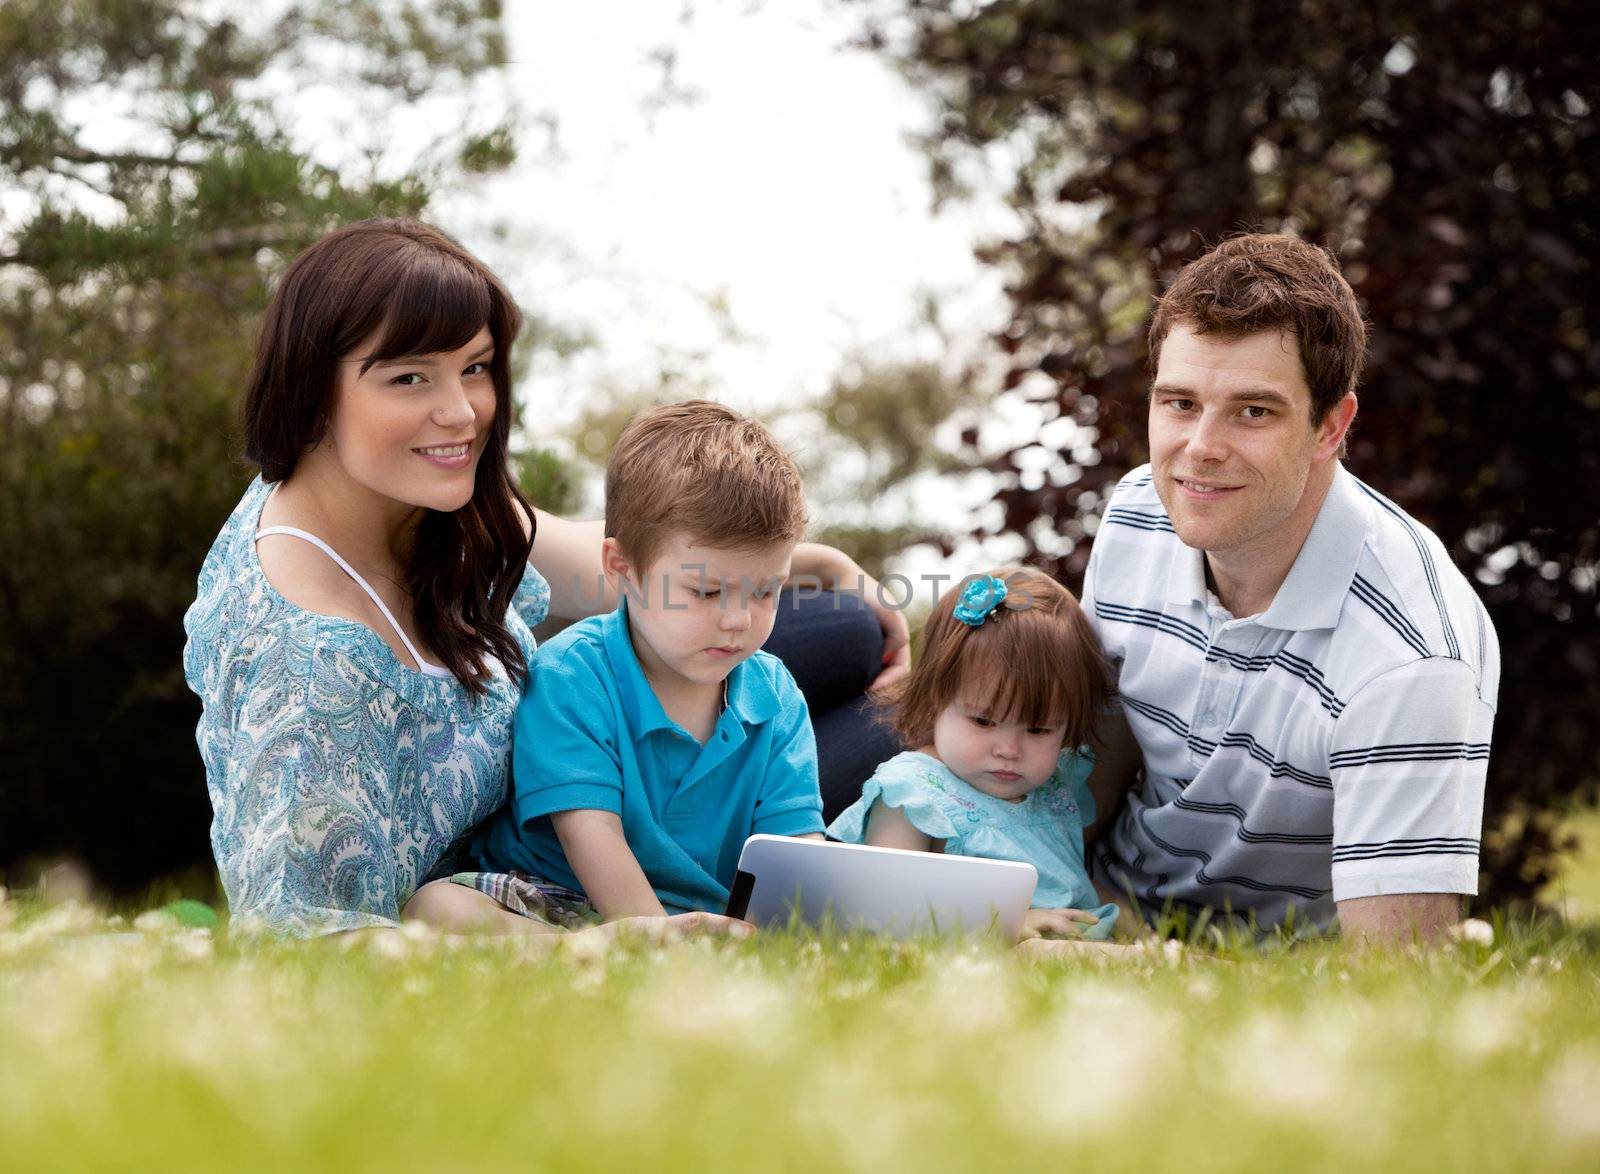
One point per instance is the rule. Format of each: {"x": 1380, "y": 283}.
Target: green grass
{"x": 168, "y": 1048}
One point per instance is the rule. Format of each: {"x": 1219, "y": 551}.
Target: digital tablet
{"x": 884, "y": 889}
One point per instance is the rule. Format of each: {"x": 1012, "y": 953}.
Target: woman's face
{"x": 412, "y": 429}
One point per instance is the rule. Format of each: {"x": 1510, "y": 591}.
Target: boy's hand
{"x": 1056, "y": 923}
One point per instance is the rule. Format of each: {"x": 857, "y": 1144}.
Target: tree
{"x": 155, "y": 190}
{"x": 1448, "y": 152}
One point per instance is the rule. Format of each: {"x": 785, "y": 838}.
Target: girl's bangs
{"x": 1012, "y": 687}
{"x": 436, "y": 304}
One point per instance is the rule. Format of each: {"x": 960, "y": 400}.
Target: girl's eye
{"x": 982, "y": 722}
{"x": 407, "y": 379}
{"x": 708, "y": 592}
{"x": 1041, "y": 731}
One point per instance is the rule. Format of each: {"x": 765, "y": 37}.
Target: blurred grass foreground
{"x": 161, "y": 1043}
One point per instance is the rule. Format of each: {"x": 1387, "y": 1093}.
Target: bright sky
{"x": 756, "y": 232}
{"x": 781, "y": 187}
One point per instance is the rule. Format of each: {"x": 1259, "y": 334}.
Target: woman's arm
{"x": 567, "y": 554}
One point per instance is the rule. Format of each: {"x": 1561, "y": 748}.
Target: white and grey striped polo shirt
{"x": 1334, "y": 746}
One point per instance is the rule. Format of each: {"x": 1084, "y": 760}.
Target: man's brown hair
{"x": 1267, "y": 281}
{"x": 701, "y": 469}
{"x": 1034, "y": 659}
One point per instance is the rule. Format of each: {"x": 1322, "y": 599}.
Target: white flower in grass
{"x": 70, "y": 917}
{"x": 705, "y": 1001}
{"x": 965, "y": 995}
{"x": 1571, "y": 1094}
{"x": 1472, "y": 931}
{"x": 1488, "y": 1021}
{"x": 1124, "y": 1043}
{"x": 157, "y": 921}
{"x": 1277, "y": 1064}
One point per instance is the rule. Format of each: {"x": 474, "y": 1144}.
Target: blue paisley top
{"x": 339, "y": 777}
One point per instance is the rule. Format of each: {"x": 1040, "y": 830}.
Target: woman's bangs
{"x": 436, "y": 305}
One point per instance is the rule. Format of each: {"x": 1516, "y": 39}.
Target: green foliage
{"x": 1448, "y": 152}
{"x": 131, "y": 277}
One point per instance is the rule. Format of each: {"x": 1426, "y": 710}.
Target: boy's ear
{"x": 613, "y": 562}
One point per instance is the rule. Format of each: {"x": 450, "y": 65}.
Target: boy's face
{"x": 696, "y": 611}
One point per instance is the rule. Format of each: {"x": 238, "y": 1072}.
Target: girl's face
{"x": 1000, "y": 757}
{"x": 412, "y": 429}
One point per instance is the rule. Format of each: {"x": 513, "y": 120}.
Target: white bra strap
{"x": 431, "y": 670}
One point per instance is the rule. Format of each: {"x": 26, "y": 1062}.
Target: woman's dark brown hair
{"x": 1035, "y": 660}
{"x": 414, "y": 291}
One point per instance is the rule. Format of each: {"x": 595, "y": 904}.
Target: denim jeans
{"x": 832, "y": 644}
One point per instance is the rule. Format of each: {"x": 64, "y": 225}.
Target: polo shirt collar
{"x": 751, "y": 697}
{"x": 1313, "y": 594}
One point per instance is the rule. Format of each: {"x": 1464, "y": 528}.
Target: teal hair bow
{"x": 979, "y": 599}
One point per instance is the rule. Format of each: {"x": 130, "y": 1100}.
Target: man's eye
{"x": 1180, "y": 405}
{"x": 1256, "y": 412}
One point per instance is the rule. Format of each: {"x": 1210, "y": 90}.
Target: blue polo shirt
{"x": 590, "y": 734}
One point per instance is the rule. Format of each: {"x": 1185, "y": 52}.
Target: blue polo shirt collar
{"x": 751, "y": 697}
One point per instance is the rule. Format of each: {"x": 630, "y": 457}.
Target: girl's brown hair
{"x": 1035, "y": 659}
{"x": 416, "y": 292}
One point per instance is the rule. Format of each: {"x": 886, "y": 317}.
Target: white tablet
{"x": 884, "y": 889}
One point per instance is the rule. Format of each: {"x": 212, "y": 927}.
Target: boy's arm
{"x": 605, "y": 866}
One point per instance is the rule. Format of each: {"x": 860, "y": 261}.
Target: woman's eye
{"x": 476, "y": 369}
{"x": 409, "y": 379}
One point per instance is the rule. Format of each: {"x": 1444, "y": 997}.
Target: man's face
{"x": 697, "y": 611}
{"x": 1232, "y": 445}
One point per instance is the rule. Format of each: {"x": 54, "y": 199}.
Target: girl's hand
{"x": 1056, "y": 923}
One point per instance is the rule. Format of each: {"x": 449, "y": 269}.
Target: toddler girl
{"x": 1000, "y": 705}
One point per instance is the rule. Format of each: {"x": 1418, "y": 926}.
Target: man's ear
{"x": 1335, "y": 426}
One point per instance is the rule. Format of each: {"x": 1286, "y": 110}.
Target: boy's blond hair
{"x": 701, "y": 469}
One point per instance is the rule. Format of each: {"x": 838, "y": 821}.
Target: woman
{"x": 363, "y": 622}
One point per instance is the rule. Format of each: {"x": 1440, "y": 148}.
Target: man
{"x": 1310, "y": 681}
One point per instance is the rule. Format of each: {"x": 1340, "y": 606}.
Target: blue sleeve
{"x": 789, "y": 803}
{"x": 566, "y": 754}
{"x": 532, "y": 597}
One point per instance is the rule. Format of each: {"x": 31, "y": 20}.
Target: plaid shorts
{"x": 542, "y": 900}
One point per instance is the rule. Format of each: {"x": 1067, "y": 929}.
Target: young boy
{"x": 652, "y": 741}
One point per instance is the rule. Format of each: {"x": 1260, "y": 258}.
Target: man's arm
{"x": 1117, "y": 763}
{"x": 1402, "y": 919}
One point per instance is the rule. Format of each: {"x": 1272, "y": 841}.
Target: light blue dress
{"x": 1044, "y": 830}
{"x": 340, "y": 778}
